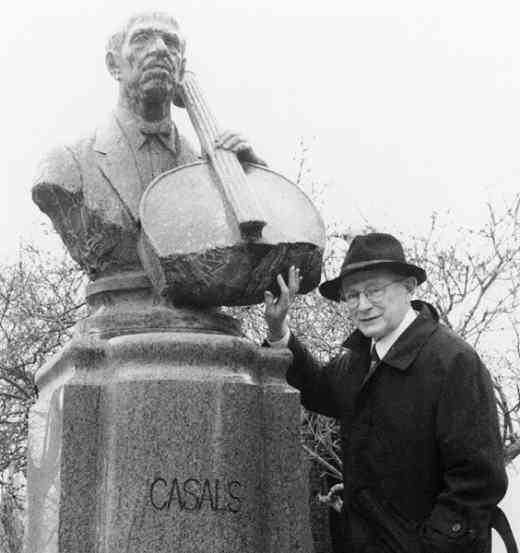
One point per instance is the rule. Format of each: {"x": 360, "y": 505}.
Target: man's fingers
{"x": 336, "y": 489}
{"x": 284, "y": 291}
{"x": 294, "y": 280}
{"x": 337, "y": 504}
{"x": 334, "y": 502}
{"x": 294, "y": 274}
{"x": 268, "y": 299}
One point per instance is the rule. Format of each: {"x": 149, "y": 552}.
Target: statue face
{"x": 151, "y": 59}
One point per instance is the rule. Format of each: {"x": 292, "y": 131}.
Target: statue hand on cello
{"x": 237, "y": 143}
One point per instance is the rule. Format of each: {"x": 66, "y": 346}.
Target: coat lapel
{"x": 407, "y": 347}
{"x": 117, "y": 162}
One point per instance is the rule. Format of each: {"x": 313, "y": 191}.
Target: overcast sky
{"x": 405, "y": 106}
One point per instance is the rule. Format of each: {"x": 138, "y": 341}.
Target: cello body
{"x": 217, "y": 233}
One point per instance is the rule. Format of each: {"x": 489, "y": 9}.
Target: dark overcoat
{"x": 422, "y": 457}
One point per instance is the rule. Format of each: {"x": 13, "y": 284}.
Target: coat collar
{"x": 406, "y": 348}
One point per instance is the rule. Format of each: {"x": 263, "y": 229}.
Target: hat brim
{"x": 331, "y": 289}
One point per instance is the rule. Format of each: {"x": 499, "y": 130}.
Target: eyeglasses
{"x": 374, "y": 294}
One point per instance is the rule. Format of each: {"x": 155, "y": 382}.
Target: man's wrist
{"x": 277, "y": 334}
{"x": 282, "y": 342}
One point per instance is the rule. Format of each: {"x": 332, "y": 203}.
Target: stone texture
{"x": 126, "y": 304}
{"x": 185, "y": 445}
{"x": 165, "y": 440}
{"x": 159, "y": 428}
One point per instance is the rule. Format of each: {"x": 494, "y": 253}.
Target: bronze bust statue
{"x": 91, "y": 189}
{"x": 134, "y": 196}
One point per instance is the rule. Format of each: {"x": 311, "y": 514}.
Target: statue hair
{"x": 115, "y": 42}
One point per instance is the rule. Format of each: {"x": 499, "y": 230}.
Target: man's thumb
{"x": 268, "y": 298}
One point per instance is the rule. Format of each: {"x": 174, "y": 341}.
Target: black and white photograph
{"x": 260, "y": 277}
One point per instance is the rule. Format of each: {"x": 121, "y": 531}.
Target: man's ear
{"x": 113, "y": 66}
{"x": 411, "y": 284}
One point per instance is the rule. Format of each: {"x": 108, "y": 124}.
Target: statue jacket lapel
{"x": 117, "y": 162}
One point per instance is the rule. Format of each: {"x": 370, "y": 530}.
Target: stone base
{"x": 166, "y": 442}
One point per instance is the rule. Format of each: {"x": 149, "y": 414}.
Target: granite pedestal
{"x": 162, "y": 430}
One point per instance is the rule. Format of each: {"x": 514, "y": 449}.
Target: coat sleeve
{"x": 314, "y": 379}
{"x": 471, "y": 453}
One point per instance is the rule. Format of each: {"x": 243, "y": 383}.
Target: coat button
{"x": 456, "y": 528}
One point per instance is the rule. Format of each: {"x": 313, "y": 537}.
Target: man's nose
{"x": 364, "y": 302}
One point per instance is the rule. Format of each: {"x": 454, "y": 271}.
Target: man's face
{"x": 151, "y": 59}
{"x": 391, "y": 296}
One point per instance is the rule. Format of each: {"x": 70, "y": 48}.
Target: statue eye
{"x": 140, "y": 37}
{"x": 172, "y": 41}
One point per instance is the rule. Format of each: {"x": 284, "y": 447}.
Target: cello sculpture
{"x": 160, "y": 427}
{"x": 216, "y": 232}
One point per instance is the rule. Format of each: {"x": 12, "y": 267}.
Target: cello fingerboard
{"x": 233, "y": 182}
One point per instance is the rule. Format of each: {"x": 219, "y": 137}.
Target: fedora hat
{"x": 372, "y": 251}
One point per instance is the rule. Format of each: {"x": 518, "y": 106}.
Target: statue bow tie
{"x": 163, "y": 128}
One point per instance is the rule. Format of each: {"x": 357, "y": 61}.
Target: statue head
{"x": 147, "y": 57}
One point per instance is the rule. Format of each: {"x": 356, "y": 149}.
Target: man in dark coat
{"x": 422, "y": 458}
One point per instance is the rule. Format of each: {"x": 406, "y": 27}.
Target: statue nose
{"x": 159, "y": 43}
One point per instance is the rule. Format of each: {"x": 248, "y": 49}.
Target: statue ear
{"x": 177, "y": 98}
{"x": 112, "y": 65}
{"x": 182, "y": 68}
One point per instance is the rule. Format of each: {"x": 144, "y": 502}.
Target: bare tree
{"x": 39, "y": 304}
{"x": 473, "y": 281}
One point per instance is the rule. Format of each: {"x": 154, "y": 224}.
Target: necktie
{"x": 374, "y": 361}
{"x": 163, "y": 128}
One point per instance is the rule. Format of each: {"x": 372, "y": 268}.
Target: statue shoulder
{"x": 58, "y": 175}
{"x": 62, "y": 166}
{"x": 59, "y": 167}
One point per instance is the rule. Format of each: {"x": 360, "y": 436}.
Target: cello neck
{"x": 231, "y": 178}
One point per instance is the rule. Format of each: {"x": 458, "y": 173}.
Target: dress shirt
{"x": 153, "y": 153}
{"x": 386, "y": 342}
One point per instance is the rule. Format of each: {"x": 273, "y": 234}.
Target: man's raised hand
{"x": 277, "y": 309}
